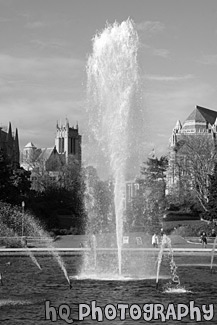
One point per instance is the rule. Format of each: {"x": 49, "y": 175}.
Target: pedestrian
{"x": 155, "y": 240}
{"x": 203, "y": 238}
{"x": 213, "y": 233}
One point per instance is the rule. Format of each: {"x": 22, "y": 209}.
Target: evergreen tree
{"x": 14, "y": 182}
{"x": 99, "y": 199}
{"x": 148, "y": 205}
{"x": 5, "y": 173}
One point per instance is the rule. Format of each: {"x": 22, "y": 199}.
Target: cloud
{"x": 160, "y": 78}
{"x": 36, "y": 24}
{"x": 40, "y": 68}
{"x": 36, "y": 120}
{"x": 208, "y": 59}
{"x": 150, "y": 27}
{"x": 49, "y": 20}
{"x": 51, "y": 44}
{"x": 5, "y": 20}
{"x": 164, "y": 53}
{"x": 37, "y": 91}
{"x": 168, "y": 102}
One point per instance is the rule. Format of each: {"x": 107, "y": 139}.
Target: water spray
{"x": 31, "y": 255}
{"x": 212, "y": 255}
{"x": 112, "y": 72}
{"x": 166, "y": 243}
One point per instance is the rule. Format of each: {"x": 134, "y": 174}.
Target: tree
{"x": 20, "y": 180}
{"x": 14, "y": 182}
{"x": 195, "y": 157}
{"x": 61, "y": 195}
{"x": 155, "y": 181}
{"x": 99, "y": 202}
{"x": 5, "y": 186}
{"x": 211, "y": 207}
{"x": 148, "y": 204}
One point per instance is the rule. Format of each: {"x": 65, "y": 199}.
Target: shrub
{"x": 194, "y": 230}
{"x": 12, "y": 243}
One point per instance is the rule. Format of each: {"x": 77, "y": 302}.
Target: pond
{"x": 28, "y": 294}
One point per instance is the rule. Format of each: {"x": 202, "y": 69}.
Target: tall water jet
{"x": 112, "y": 71}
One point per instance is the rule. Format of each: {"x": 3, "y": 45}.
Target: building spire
{"x": 67, "y": 123}
{"x": 16, "y": 148}
{"x": 178, "y": 126}
{"x": 9, "y": 139}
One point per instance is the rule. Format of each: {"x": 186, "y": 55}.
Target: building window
{"x": 71, "y": 146}
{"x": 74, "y": 147}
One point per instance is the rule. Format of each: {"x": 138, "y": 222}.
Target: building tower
{"x": 68, "y": 141}
{"x": 29, "y": 153}
{"x": 16, "y": 148}
{"x": 9, "y": 145}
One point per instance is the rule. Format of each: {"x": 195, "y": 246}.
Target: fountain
{"x": 112, "y": 80}
{"x": 114, "y": 116}
{"x": 112, "y": 71}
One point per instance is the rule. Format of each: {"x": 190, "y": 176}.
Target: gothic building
{"x": 199, "y": 127}
{"x": 49, "y": 161}
{"x": 68, "y": 141}
{"x": 9, "y": 145}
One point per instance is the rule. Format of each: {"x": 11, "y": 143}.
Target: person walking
{"x": 155, "y": 241}
{"x": 203, "y": 238}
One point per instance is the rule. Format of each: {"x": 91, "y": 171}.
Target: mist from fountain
{"x": 11, "y": 223}
{"x": 174, "y": 285}
{"x": 36, "y": 230}
{"x": 10, "y": 236}
{"x": 31, "y": 255}
{"x": 112, "y": 73}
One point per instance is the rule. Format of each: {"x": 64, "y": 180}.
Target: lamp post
{"x": 23, "y": 207}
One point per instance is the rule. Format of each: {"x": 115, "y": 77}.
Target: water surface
{"x": 26, "y": 289}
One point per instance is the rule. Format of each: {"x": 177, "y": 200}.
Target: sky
{"x": 44, "y": 46}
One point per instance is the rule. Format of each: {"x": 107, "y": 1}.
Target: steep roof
{"x": 45, "y": 154}
{"x": 202, "y": 114}
{"x": 30, "y": 145}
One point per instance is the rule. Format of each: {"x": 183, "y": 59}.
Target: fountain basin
{"x": 26, "y": 289}
{"x": 80, "y": 251}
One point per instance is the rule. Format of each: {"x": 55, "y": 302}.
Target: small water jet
{"x": 11, "y": 223}
{"x": 31, "y": 255}
{"x": 38, "y": 231}
{"x": 213, "y": 254}
{"x": 175, "y": 281}
{"x": 93, "y": 246}
{"x": 12, "y": 238}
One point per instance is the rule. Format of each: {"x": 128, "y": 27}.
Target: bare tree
{"x": 193, "y": 161}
